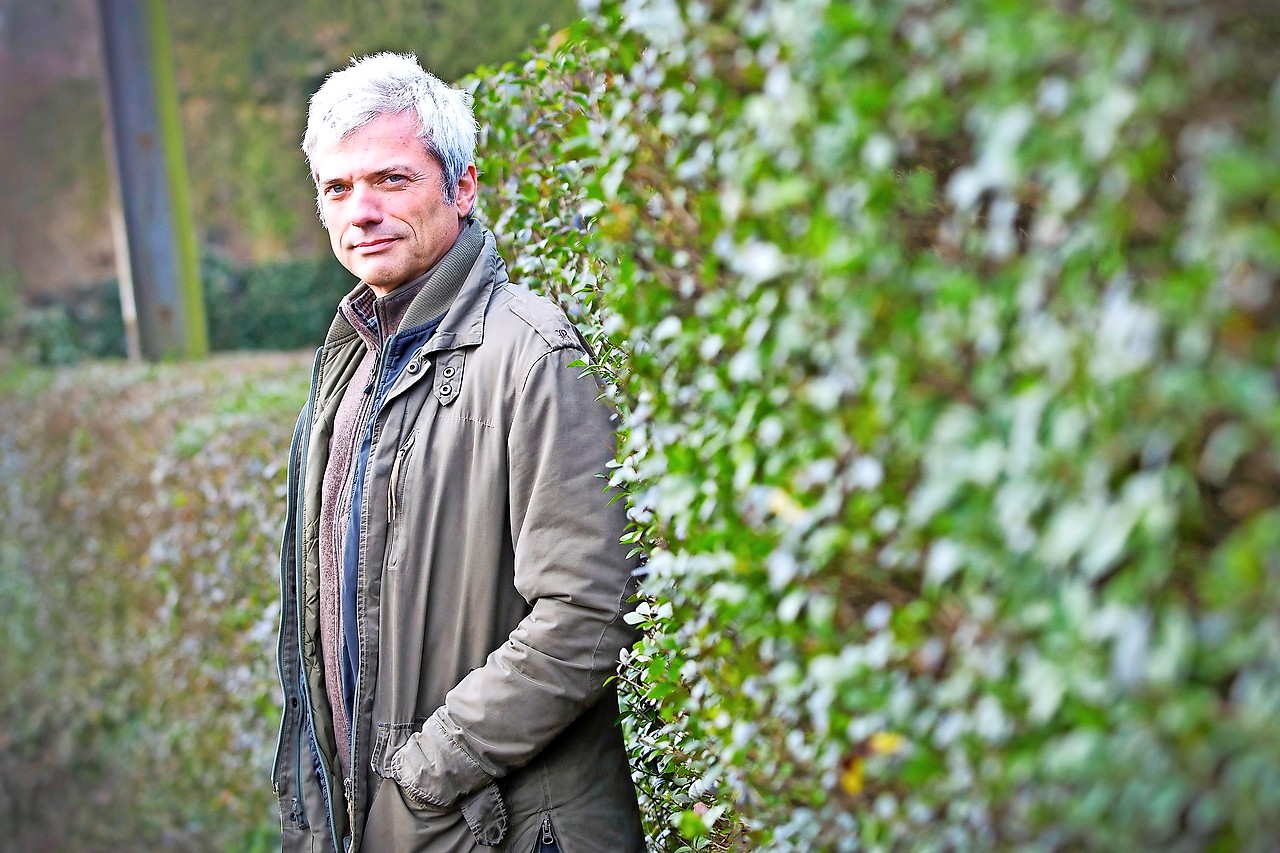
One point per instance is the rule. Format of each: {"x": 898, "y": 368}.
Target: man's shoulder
{"x": 518, "y": 315}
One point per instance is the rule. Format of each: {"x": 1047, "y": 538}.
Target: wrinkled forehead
{"x": 395, "y": 135}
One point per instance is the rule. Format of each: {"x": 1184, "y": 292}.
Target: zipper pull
{"x": 392, "y": 505}
{"x": 395, "y": 479}
{"x": 548, "y": 837}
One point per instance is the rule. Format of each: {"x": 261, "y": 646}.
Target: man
{"x": 453, "y": 583}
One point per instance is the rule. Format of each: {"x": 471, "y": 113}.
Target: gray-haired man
{"x": 453, "y": 583}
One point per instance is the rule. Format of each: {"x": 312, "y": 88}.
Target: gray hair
{"x": 388, "y": 84}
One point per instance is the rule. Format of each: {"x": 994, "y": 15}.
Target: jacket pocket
{"x": 486, "y": 815}
{"x": 483, "y": 810}
{"x": 395, "y": 494}
{"x": 390, "y": 737}
{"x": 395, "y": 499}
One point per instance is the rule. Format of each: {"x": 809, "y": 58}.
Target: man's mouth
{"x": 374, "y": 244}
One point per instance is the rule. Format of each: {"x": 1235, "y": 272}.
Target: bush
{"x": 138, "y": 694}
{"x": 282, "y": 305}
{"x": 83, "y": 324}
{"x": 945, "y": 336}
{"x": 278, "y": 306}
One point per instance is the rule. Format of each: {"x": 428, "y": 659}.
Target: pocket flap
{"x": 391, "y": 736}
{"x": 486, "y": 815}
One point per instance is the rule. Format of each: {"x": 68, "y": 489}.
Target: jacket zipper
{"x": 305, "y": 714}
{"x": 324, "y": 783}
{"x": 284, "y": 590}
{"x": 548, "y": 834}
{"x": 300, "y": 431}
{"x": 299, "y": 812}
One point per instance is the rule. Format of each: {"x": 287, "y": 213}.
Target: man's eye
{"x": 334, "y": 189}
{"x": 395, "y": 180}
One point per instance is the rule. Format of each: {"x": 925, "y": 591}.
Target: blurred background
{"x": 244, "y": 70}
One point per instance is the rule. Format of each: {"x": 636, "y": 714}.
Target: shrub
{"x": 138, "y": 695}
{"x": 281, "y": 305}
{"x": 83, "y": 324}
{"x": 946, "y": 340}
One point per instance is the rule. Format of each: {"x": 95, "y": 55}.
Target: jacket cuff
{"x": 434, "y": 770}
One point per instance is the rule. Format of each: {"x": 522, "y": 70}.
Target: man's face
{"x": 380, "y": 193}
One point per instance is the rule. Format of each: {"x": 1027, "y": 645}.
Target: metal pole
{"x": 158, "y": 267}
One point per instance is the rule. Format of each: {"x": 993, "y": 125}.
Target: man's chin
{"x": 379, "y": 276}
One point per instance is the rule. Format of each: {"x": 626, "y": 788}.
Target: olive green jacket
{"x": 490, "y": 590}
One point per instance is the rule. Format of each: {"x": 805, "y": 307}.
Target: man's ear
{"x": 468, "y": 186}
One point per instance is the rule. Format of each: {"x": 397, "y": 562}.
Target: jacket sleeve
{"x": 570, "y": 565}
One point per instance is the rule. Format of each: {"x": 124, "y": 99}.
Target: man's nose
{"x": 365, "y": 207}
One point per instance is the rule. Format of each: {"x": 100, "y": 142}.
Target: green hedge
{"x": 138, "y": 695}
{"x": 946, "y": 339}
{"x": 280, "y": 306}
{"x": 283, "y": 305}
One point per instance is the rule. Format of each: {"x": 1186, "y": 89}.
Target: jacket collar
{"x": 463, "y": 323}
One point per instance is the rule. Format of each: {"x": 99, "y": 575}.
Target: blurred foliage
{"x": 142, "y": 514}
{"x": 245, "y": 71}
{"x": 283, "y": 305}
{"x": 86, "y": 323}
{"x": 9, "y": 301}
{"x": 945, "y": 336}
{"x": 280, "y": 305}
